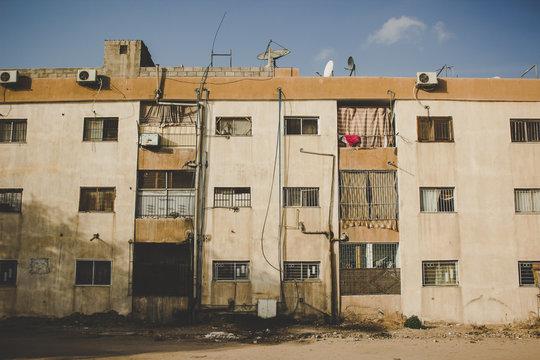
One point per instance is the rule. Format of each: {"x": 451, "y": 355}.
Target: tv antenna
{"x": 351, "y": 66}
{"x": 271, "y": 55}
{"x": 329, "y": 69}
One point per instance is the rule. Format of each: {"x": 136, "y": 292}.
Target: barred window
{"x": 97, "y": 199}
{"x": 527, "y": 200}
{"x": 93, "y": 272}
{"x": 232, "y": 197}
{"x": 100, "y": 129}
{"x": 439, "y": 273}
{"x": 10, "y": 200}
{"x": 368, "y": 255}
{"x": 435, "y": 129}
{"x": 301, "y": 196}
{"x": 437, "y": 199}
{"x": 529, "y": 272}
{"x": 12, "y": 131}
{"x": 236, "y": 126}
{"x": 301, "y": 270}
{"x": 368, "y": 195}
{"x": 166, "y": 179}
{"x": 230, "y": 270}
{"x": 525, "y": 130}
{"x": 302, "y": 125}
{"x": 8, "y": 272}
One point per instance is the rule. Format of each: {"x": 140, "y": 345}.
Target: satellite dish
{"x": 351, "y": 66}
{"x": 329, "y": 69}
{"x": 271, "y": 55}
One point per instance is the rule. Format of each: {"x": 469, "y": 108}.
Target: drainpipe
{"x": 280, "y": 214}
{"x": 331, "y": 240}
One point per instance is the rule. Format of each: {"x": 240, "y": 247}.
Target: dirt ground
{"x": 111, "y": 336}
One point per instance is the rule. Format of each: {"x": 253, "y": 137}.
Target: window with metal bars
{"x": 10, "y": 200}
{"x": 233, "y": 126}
{"x": 302, "y": 125}
{"x": 97, "y": 199}
{"x": 439, "y": 273}
{"x": 527, "y": 271}
{"x": 527, "y": 200}
{"x": 525, "y": 130}
{"x": 301, "y": 270}
{"x": 12, "y": 130}
{"x": 368, "y": 255}
{"x": 368, "y": 195}
{"x": 8, "y": 272}
{"x": 437, "y": 199}
{"x": 230, "y": 270}
{"x": 100, "y": 129}
{"x": 301, "y": 196}
{"x": 435, "y": 129}
{"x": 93, "y": 272}
{"x": 232, "y": 197}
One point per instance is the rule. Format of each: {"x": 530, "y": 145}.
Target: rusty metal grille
{"x": 527, "y": 200}
{"x": 368, "y": 255}
{"x": 10, "y": 200}
{"x": 368, "y": 195}
{"x": 439, "y": 273}
{"x": 525, "y": 130}
{"x": 435, "y": 129}
{"x": 437, "y": 200}
{"x": 231, "y": 270}
{"x": 526, "y": 275}
{"x": 100, "y": 129}
{"x": 232, "y": 197}
{"x": 370, "y": 281}
{"x": 301, "y": 270}
{"x": 13, "y": 130}
{"x": 301, "y": 196}
{"x": 97, "y": 199}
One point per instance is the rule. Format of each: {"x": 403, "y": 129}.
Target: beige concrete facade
{"x": 50, "y": 168}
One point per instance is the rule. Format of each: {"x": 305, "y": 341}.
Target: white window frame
{"x": 435, "y": 207}
{"x": 290, "y": 194}
{"x": 310, "y": 268}
{"x": 240, "y": 270}
{"x": 234, "y": 130}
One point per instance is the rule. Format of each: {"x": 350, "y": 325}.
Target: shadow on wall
{"x": 46, "y": 243}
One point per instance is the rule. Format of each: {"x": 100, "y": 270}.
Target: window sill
{"x": 440, "y": 285}
{"x": 100, "y": 141}
{"x": 528, "y": 213}
{"x": 230, "y": 281}
{"x": 8, "y": 286}
{"x": 303, "y": 280}
{"x": 95, "y": 212}
{"x": 438, "y": 212}
{"x": 301, "y": 207}
{"x": 13, "y": 142}
{"x": 90, "y": 285}
{"x": 436, "y": 141}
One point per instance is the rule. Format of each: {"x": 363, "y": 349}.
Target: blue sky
{"x": 393, "y": 38}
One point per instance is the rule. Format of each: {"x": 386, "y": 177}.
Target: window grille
{"x": 437, "y": 200}
{"x": 236, "y": 126}
{"x": 435, "y": 129}
{"x": 439, "y": 273}
{"x": 525, "y": 130}
{"x": 368, "y": 255}
{"x": 527, "y": 200}
{"x": 301, "y": 196}
{"x": 368, "y": 195}
{"x": 231, "y": 270}
{"x": 526, "y": 272}
{"x": 97, "y": 199}
{"x": 10, "y": 200}
{"x": 8, "y": 272}
{"x": 166, "y": 179}
{"x": 13, "y": 131}
{"x": 302, "y": 125}
{"x": 93, "y": 272}
{"x": 301, "y": 270}
{"x": 100, "y": 129}
{"x": 232, "y": 197}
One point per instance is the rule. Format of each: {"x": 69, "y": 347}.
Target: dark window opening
{"x": 100, "y": 129}
{"x": 529, "y": 273}
{"x": 230, "y": 270}
{"x": 10, "y": 200}
{"x": 93, "y": 272}
{"x": 298, "y": 196}
{"x": 525, "y": 130}
{"x": 301, "y": 270}
{"x": 301, "y": 125}
{"x": 435, "y": 129}
{"x": 13, "y": 131}
{"x": 8, "y": 272}
{"x": 97, "y": 199}
{"x": 235, "y": 126}
{"x": 123, "y": 49}
{"x": 162, "y": 270}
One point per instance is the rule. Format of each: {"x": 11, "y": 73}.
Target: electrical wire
{"x": 97, "y": 94}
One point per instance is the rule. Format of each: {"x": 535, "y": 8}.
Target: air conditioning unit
{"x": 87, "y": 76}
{"x": 8, "y": 76}
{"x": 149, "y": 140}
{"x": 426, "y": 79}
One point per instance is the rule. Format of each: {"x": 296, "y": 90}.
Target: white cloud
{"x": 324, "y": 54}
{"x": 395, "y": 29}
{"x": 442, "y": 34}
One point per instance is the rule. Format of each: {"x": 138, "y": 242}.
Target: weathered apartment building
{"x": 159, "y": 191}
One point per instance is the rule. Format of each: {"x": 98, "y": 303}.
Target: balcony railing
{"x": 166, "y": 203}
